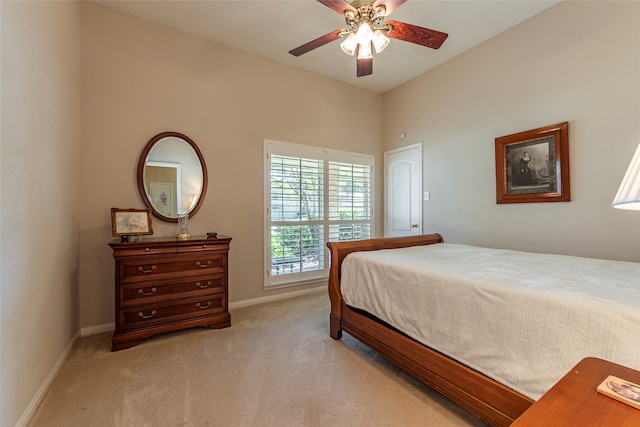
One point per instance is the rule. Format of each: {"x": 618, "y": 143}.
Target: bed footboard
{"x": 339, "y": 250}
{"x": 490, "y": 400}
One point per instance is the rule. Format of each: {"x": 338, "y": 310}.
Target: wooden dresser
{"x": 164, "y": 285}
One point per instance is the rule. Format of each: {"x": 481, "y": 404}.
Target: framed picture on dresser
{"x": 131, "y": 222}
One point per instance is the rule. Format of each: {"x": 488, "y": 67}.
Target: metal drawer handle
{"x": 203, "y": 266}
{"x": 142, "y": 292}
{"x": 201, "y": 286}
{"x": 202, "y": 307}
{"x": 153, "y": 267}
{"x": 140, "y": 314}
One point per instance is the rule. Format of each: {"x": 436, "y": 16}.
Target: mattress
{"x": 523, "y": 319}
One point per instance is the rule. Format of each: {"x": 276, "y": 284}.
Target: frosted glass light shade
{"x": 628, "y": 196}
{"x": 349, "y": 45}
{"x": 380, "y": 41}
{"x": 364, "y": 33}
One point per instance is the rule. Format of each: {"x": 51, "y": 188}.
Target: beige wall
{"x": 139, "y": 79}
{"x": 40, "y": 137}
{"x": 562, "y": 65}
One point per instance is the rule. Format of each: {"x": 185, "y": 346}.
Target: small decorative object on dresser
{"x": 183, "y": 232}
{"x": 164, "y": 285}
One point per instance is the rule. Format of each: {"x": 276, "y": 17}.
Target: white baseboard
{"x": 271, "y": 298}
{"x": 97, "y": 329}
{"x": 37, "y": 399}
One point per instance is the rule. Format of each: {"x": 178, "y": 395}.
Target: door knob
{"x": 414, "y": 225}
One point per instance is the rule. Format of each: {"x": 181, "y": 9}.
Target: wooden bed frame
{"x": 488, "y": 399}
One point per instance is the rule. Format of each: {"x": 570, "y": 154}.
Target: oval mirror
{"x": 172, "y": 176}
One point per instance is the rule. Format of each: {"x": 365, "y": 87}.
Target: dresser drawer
{"x": 159, "y": 291}
{"x": 202, "y": 246}
{"x": 172, "y": 311}
{"x": 140, "y": 249}
{"x": 197, "y": 263}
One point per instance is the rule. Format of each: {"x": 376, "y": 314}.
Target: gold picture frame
{"x": 533, "y": 166}
{"x": 131, "y": 222}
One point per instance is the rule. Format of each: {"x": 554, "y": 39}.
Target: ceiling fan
{"x": 366, "y": 29}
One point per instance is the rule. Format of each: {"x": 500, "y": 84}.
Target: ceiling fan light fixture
{"x": 349, "y": 44}
{"x": 379, "y": 40}
{"x": 367, "y": 31}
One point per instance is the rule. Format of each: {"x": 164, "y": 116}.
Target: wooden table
{"x": 573, "y": 401}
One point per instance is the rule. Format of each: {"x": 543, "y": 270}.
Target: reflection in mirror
{"x": 172, "y": 176}
{"x": 160, "y": 182}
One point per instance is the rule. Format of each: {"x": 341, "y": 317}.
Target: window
{"x": 312, "y": 196}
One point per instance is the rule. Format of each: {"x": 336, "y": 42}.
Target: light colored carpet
{"x": 275, "y": 366}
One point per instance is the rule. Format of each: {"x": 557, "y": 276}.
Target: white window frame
{"x": 310, "y": 152}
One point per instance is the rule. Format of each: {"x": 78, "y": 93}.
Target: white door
{"x": 403, "y": 190}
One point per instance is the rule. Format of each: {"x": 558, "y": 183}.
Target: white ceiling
{"x": 270, "y": 28}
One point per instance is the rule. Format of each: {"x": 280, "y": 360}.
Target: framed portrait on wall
{"x": 533, "y": 166}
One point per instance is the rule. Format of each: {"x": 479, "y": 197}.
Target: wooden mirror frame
{"x": 140, "y": 174}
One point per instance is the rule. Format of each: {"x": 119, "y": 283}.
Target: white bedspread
{"x": 523, "y": 319}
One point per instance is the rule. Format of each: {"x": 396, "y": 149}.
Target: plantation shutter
{"x": 312, "y": 196}
{"x": 297, "y": 197}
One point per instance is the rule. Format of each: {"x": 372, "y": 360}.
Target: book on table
{"x": 621, "y": 390}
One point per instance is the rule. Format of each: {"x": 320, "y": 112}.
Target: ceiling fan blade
{"x": 338, "y": 5}
{"x": 365, "y": 67}
{"x": 418, "y": 35}
{"x": 390, "y": 5}
{"x": 320, "y": 41}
